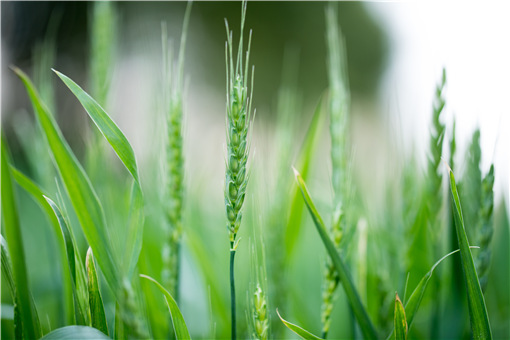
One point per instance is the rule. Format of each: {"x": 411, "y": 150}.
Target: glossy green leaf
{"x": 476, "y": 302}
{"x": 66, "y": 246}
{"x": 303, "y": 333}
{"x": 181, "y": 331}
{"x": 83, "y": 197}
{"x": 97, "y": 315}
{"x": 71, "y": 250}
{"x": 399, "y": 320}
{"x": 106, "y": 125}
{"x": 124, "y": 151}
{"x": 28, "y": 315}
{"x": 304, "y": 161}
{"x": 75, "y": 333}
{"x": 366, "y": 325}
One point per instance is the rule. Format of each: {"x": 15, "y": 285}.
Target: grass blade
{"x": 83, "y": 197}
{"x": 31, "y": 328}
{"x": 7, "y": 269}
{"x": 399, "y": 320}
{"x": 97, "y": 315}
{"x": 304, "y": 162}
{"x": 106, "y": 125}
{"x": 476, "y": 302}
{"x": 75, "y": 333}
{"x": 125, "y": 152}
{"x": 413, "y": 303}
{"x": 181, "y": 331}
{"x": 367, "y": 328}
{"x": 71, "y": 250}
{"x": 37, "y": 194}
{"x": 303, "y": 333}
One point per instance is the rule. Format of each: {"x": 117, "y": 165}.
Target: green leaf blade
{"x": 97, "y": 314}
{"x": 359, "y": 310}
{"x": 124, "y": 151}
{"x": 71, "y": 251}
{"x": 181, "y": 330}
{"x": 303, "y": 333}
{"x": 106, "y": 125}
{"x": 31, "y": 328}
{"x": 304, "y": 163}
{"x": 83, "y": 197}
{"x": 476, "y": 302}
{"x": 399, "y": 320}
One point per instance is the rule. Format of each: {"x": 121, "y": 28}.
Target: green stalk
{"x": 232, "y": 294}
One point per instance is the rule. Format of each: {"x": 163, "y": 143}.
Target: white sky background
{"x": 470, "y": 39}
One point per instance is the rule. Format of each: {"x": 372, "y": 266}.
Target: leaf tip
{"x": 296, "y": 173}
{"x": 447, "y": 165}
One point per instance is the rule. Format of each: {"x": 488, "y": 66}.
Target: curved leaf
{"x": 31, "y": 328}
{"x": 413, "y": 303}
{"x": 106, "y": 125}
{"x": 303, "y": 333}
{"x": 124, "y": 151}
{"x": 366, "y": 325}
{"x": 75, "y": 333}
{"x": 476, "y": 302}
{"x": 181, "y": 331}
{"x": 79, "y": 309}
{"x": 83, "y": 197}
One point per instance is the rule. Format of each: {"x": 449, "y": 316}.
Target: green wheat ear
{"x": 238, "y": 125}
{"x": 238, "y": 121}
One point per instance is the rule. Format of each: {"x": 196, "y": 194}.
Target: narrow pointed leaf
{"x": 75, "y": 333}
{"x": 97, "y": 315}
{"x": 7, "y": 269}
{"x": 80, "y": 311}
{"x": 413, "y": 303}
{"x": 399, "y": 320}
{"x": 366, "y": 325}
{"x": 106, "y": 125}
{"x": 181, "y": 331}
{"x": 476, "y": 302}
{"x": 83, "y": 197}
{"x": 124, "y": 151}
{"x": 30, "y": 322}
{"x": 303, "y": 163}
{"x": 303, "y": 333}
